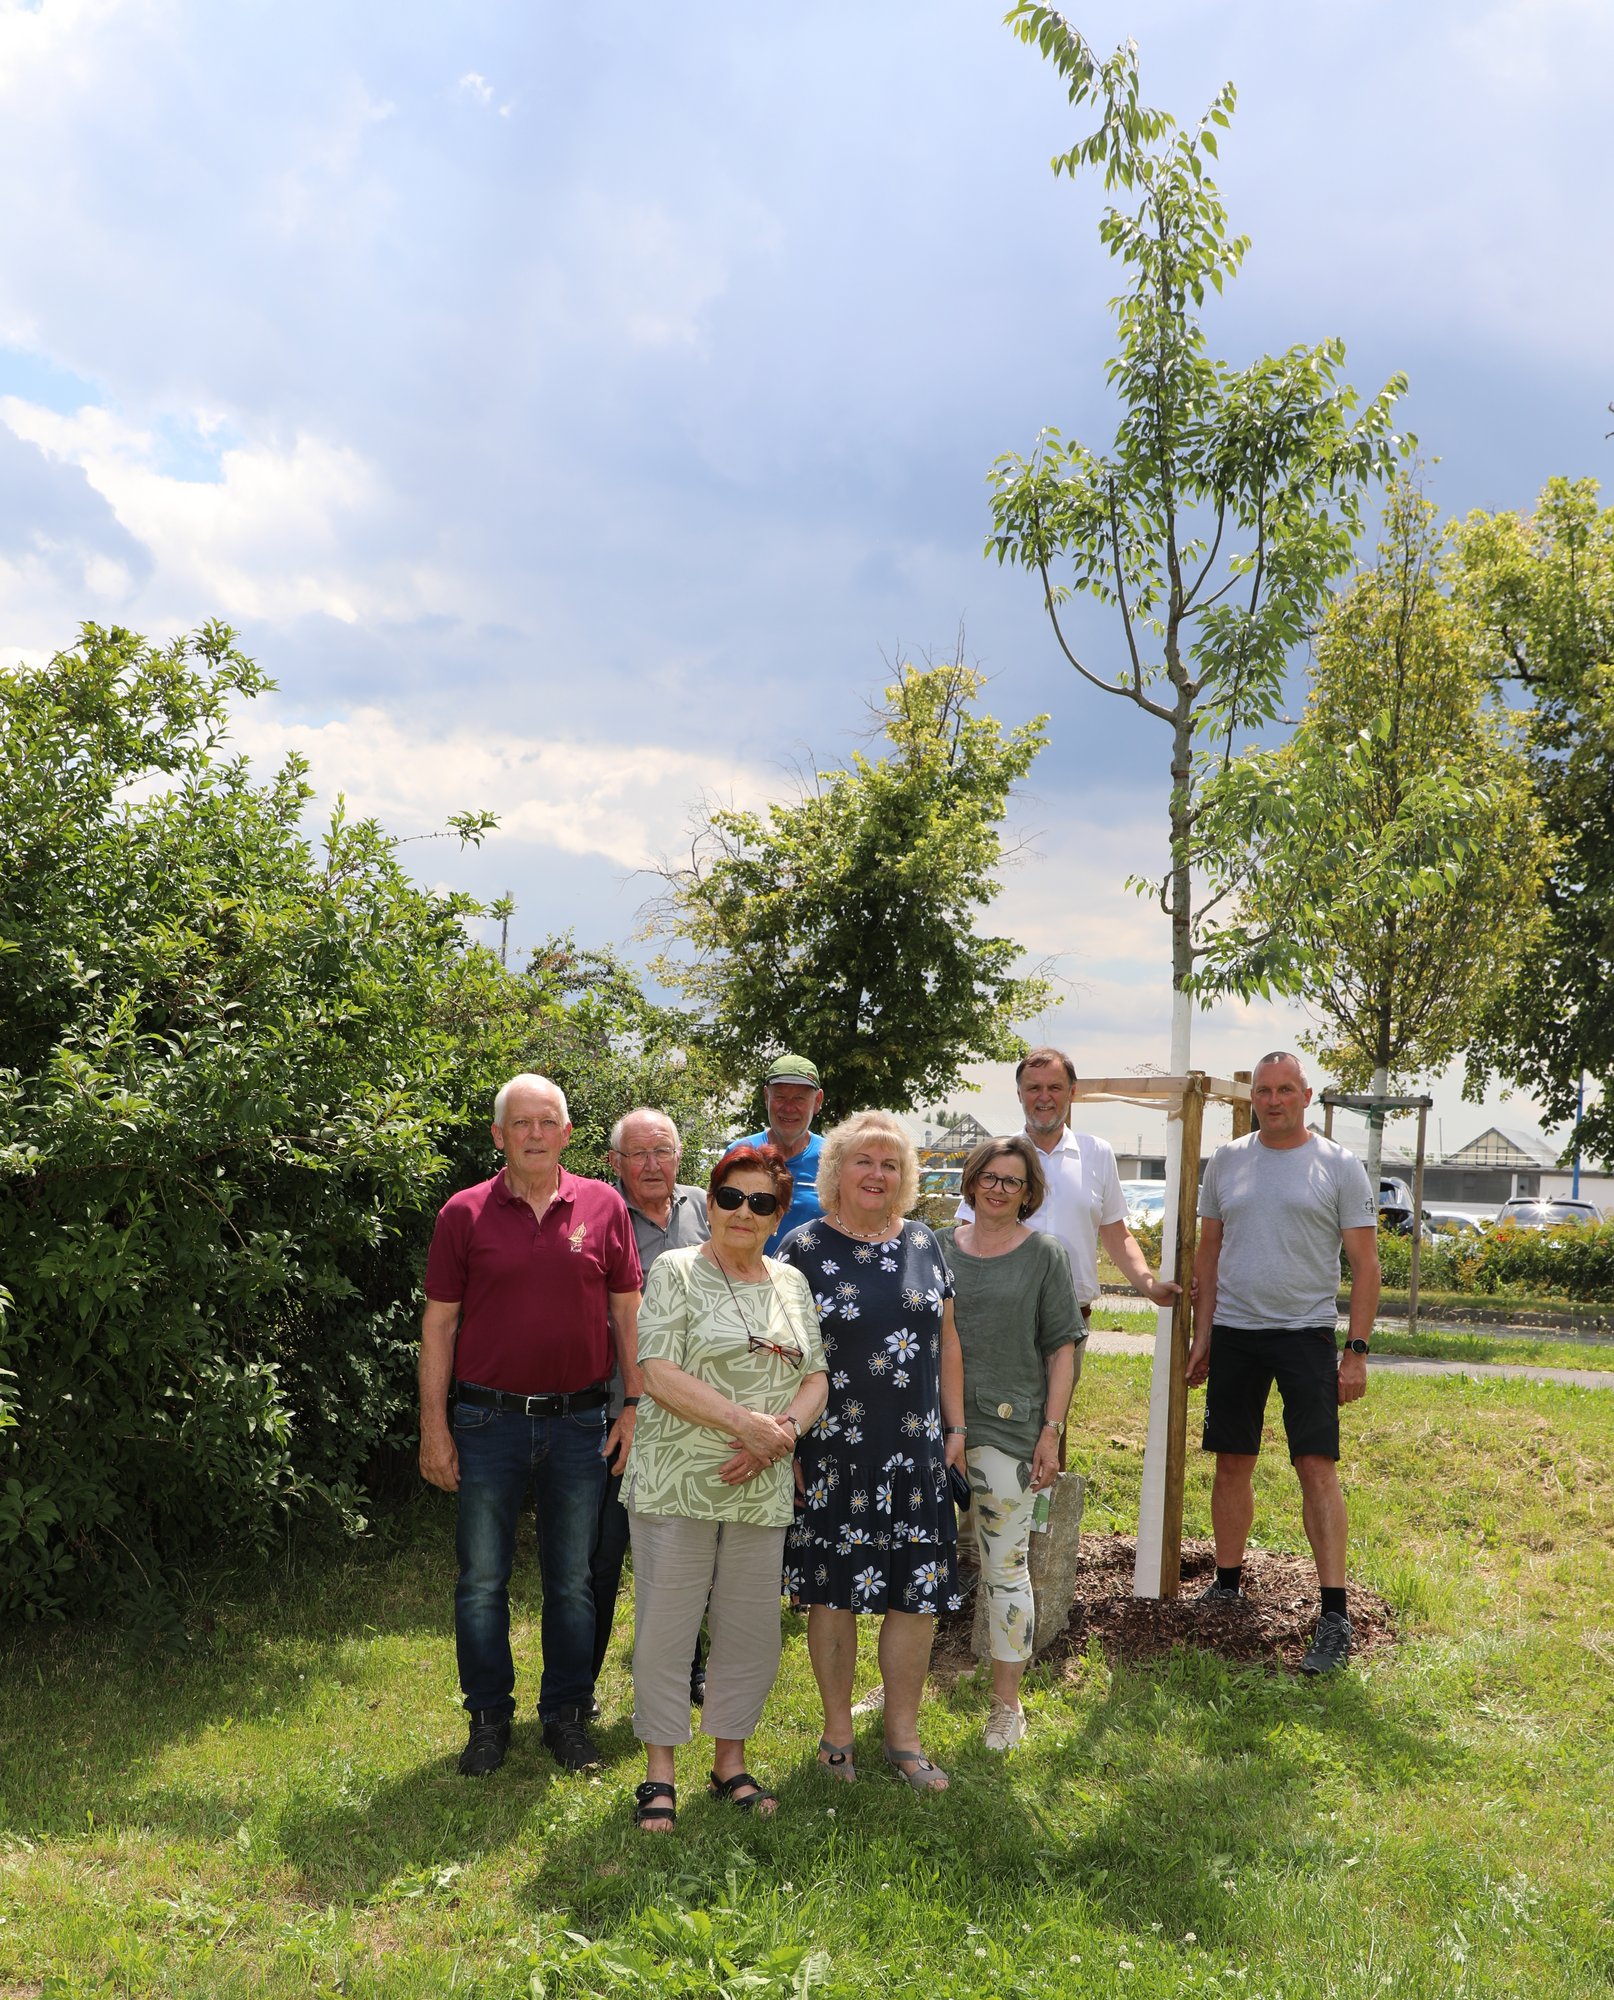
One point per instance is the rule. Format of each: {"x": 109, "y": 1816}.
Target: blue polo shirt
{"x": 804, "y": 1203}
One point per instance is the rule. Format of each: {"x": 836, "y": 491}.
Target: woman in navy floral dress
{"x": 877, "y": 1530}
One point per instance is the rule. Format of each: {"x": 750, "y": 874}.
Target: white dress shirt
{"x": 1083, "y": 1194}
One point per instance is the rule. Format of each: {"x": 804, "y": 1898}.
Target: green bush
{"x": 238, "y": 1075}
{"x": 1569, "y": 1263}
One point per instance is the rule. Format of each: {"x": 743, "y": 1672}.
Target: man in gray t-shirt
{"x": 1274, "y": 1211}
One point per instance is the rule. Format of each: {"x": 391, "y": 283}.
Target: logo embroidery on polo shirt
{"x": 576, "y": 1237}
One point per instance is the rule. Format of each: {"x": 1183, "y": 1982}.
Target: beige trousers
{"x": 732, "y": 1574}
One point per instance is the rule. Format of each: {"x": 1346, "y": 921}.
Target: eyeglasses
{"x": 648, "y": 1155}
{"x": 794, "y": 1355}
{"x": 1008, "y": 1183}
{"x": 732, "y": 1198}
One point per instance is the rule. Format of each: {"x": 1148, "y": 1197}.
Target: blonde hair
{"x": 841, "y": 1139}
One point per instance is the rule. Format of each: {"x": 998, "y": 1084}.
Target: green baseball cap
{"x": 792, "y": 1069}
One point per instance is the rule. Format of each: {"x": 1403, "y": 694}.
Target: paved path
{"x": 1578, "y": 1378}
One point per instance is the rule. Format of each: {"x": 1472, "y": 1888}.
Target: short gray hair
{"x": 643, "y": 1111}
{"x": 533, "y": 1081}
{"x": 1277, "y": 1056}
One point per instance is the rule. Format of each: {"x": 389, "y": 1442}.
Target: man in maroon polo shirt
{"x": 532, "y": 1285}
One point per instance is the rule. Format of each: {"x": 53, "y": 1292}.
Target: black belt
{"x": 534, "y": 1406}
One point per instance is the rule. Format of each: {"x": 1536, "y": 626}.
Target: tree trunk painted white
{"x": 1152, "y": 1500}
{"x": 1375, "y": 1131}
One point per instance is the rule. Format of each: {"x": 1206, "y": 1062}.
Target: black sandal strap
{"x": 645, "y": 1795}
{"x": 726, "y": 1788}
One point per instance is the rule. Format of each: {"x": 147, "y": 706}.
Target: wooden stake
{"x": 1243, "y": 1123}
{"x": 1182, "y": 1327}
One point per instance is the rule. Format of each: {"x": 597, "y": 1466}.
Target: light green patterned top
{"x": 691, "y": 1318}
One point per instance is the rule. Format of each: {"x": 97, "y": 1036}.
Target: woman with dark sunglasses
{"x": 734, "y": 1372}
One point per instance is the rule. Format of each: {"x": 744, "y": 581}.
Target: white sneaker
{"x": 1005, "y": 1726}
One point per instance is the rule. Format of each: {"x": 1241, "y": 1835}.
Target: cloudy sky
{"x": 574, "y": 408}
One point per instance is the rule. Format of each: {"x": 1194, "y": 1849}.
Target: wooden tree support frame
{"x": 1183, "y": 1097}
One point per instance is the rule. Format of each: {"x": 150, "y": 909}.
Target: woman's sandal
{"x": 914, "y": 1768}
{"x": 727, "y": 1788}
{"x": 647, "y": 1814}
{"x": 836, "y": 1760}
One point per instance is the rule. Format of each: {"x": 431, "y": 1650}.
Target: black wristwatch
{"x": 1356, "y": 1347}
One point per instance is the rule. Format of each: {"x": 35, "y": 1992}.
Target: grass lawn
{"x": 1543, "y": 1350}
{"x": 275, "y": 1811}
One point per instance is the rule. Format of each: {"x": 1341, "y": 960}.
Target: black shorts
{"x": 1244, "y": 1364}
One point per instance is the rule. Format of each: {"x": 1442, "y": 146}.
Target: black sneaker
{"x": 1331, "y": 1647}
{"x": 485, "y": 1749}
{"x": 1215, "y": 1594}
{"x": 567, "y": 1740}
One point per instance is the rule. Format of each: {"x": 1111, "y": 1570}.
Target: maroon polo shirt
{"x": 532, "y": 1293}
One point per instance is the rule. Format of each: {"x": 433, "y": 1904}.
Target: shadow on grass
{"x": 90, "y": 1708}
{"x": 1147, "y": 1812}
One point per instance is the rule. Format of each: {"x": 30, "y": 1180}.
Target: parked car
{"x": 1446, "y": 1220}
{"x": 1549, "y": 1212}
{"x": 1397, "y": 1218}
{"x": 1394, "y": 1193}
{"x": 942, "y": 1181}
{"x": 1145, "y": 1200}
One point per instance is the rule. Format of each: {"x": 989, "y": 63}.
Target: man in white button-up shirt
{"x": 1083, "y": 1206}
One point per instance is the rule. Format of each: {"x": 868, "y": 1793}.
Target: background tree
{"x": 579, "y": 1015}
{"x": 1542, "y": 586}
{"x": 842, "y": 922}
{"x": 1229, "y": 498}
{"x": 1404, "y": 893}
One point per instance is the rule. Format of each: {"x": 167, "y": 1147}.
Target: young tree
{"x": 1404, "y": 895}
{"x": 1212, "y": 524}
{"x": 1542, "y": 586}
{"x": 842, "y": 922}
{"x": 1229, "y": 497}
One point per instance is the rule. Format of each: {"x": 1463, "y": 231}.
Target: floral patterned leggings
{"x": 1003, "y": 1502}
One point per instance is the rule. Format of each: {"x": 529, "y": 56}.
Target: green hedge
{"x": 1570, "y": 1263}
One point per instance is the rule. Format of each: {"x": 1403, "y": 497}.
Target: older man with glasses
{"x": 666, "y": 1214}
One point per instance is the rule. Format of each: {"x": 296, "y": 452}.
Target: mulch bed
{"x": 1274, "y": 1628}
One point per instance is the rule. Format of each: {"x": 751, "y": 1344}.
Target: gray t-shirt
{"x": 1282, "y": 1210}
{"x": 686, "y": 1226}
{"x": 1012, "y": 1313}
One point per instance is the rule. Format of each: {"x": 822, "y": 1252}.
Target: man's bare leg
{"x": 1323, "y": 1512}
{"x": 1233, "y": 1505}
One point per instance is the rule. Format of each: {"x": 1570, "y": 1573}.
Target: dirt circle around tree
{"x": 1272, "y": 1628}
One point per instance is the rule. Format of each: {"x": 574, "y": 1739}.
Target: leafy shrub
{"x": 1569, "y": 1263}
{"x": 239, "y": 1072}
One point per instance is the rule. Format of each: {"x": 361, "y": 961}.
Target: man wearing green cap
{"x": 793, "y": 1097}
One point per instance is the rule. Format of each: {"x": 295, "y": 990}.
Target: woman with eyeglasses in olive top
{"x": 877, "y": 1533}
{"x": 1020, "y": 1328}
{"x": 733, "y": 1373}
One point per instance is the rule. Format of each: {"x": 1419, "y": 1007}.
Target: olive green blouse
{"x": 1013, "y": 1312}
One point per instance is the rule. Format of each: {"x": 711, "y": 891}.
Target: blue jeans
{"x": 560, "y": 1458}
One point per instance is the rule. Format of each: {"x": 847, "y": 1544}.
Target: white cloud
{"x": 618, "y": 800}
{"x": 263, "y": 540}
{"x": 472, "y": 85}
